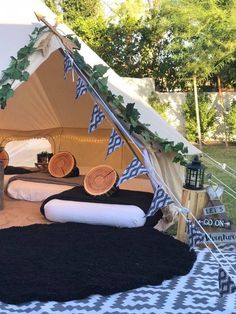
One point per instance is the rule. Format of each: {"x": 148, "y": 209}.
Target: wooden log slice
{"x": 101, "y": 180}
{"x": 4, "y": 157}
{"x": 61, "y": 164}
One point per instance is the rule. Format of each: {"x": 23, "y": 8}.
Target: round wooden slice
{"x": 61, "y": 164}
{"x": 100, "y": 180}
{"x": 4, "y": 157}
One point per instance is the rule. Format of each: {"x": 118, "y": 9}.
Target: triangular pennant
{"x": 160, "y": 200}
{"x": 115, "y": 142}
{"x": 81, "y": 87}
{"x": 226, "y": 284}
{"x": 68, "y": 64}
{"x": 195, "y": 235}
{"x": 96, "y": 118}
{"x": 134, "y": 169}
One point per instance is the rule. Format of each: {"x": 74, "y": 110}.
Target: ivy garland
{"x": 17, "y": 68}
{"x": 129, "y": 114}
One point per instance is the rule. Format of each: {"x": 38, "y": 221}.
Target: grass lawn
{"x": 228, "y": 156}
{"x": 223, "y": 155}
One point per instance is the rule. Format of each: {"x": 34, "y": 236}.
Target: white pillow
{"x": 94, "y": 213}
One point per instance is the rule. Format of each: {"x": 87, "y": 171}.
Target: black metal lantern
{"x": 194, "y": 178}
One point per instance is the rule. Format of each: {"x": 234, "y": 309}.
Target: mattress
{"x": 195, "y": 293}
{"x": 33, "y": 191}
{"x": 36, "y": 187}
{"x": 38, "y": 192}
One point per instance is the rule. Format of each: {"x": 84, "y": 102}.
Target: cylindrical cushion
{"x": 61, "y": 164}
{"x": 101, "y": 180}
{"x": 95, "y": 213}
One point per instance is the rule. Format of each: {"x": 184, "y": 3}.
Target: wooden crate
{"x": 195, "y": 200}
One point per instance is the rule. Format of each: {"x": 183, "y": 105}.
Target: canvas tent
{"x": 45, "y": 105}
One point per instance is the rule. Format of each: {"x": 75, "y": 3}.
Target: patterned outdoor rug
{"x": 195, "y": 293}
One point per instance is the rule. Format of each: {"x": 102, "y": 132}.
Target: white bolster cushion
{"x": 94, "y": 213}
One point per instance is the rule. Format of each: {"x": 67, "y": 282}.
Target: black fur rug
{"x": 72, "y": 261}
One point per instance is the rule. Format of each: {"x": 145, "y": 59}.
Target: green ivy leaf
{"x": 100, "y": 69}
{"x": 23, "y": 64}
{"x": 179, "y": 147}
{"x": 168, "y": 148}
{"x": 24, "y": 76}
{"x": 129, "y": 109}
{"x": 103, "y": 81}
{"x": 139, "y": 129}
{"x": 24, "y": 52}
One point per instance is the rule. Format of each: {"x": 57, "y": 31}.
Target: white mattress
{"x": 33, "y": 191}
{"x": 38, "y": 192}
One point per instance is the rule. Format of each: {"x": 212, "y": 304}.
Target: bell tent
{"x": 45, "y": 104}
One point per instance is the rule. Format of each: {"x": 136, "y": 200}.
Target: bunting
{"x": 96, "y": 118}
{"x": 134, "y": 169}
{"x": 68, "y": 64}
{"x": 226, "y": 284}
{"x": 81, "y": 87}
{"x": 115, "y": 142}
{"x": 195, "y": 236}
{"x": 160, "y": 200}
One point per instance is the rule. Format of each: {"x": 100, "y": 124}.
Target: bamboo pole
{"x": 197, "y": 111}
{"x": 222, "y": 109}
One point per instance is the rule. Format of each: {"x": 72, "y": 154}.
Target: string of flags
{"x": 195, "y": 237}
{"x": 135, "y": 168}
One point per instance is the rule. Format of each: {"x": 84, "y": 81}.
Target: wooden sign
{"x": 219, "y": 237}
{"x": 217, "y": 223}
{"x": 214, "y": 210}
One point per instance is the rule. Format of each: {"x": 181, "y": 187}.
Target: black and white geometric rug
{"x": 195, "y": 293}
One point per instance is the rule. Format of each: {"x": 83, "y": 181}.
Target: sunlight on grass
{"x": 225, "y": 155}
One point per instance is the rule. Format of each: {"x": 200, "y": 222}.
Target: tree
{"x": 85, "y": 17}
{"x": 207, "y": 116}
{"x": 201, "y": 38}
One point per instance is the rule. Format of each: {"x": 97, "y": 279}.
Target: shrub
{"x": 155, "y": 103}
{"x": 207, "y": 115}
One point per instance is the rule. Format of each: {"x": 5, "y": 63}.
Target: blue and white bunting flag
{"x": 115, "y": 142}
{"x": 160, "y": 200}
{"x": 134, "y": 169}
{"x": 68, "y": 64}
{"x": 226, "y": 284}
{"x": 81, "y": 87}
{"x": 96, "y": 118}
{"x": 195, "y": 236}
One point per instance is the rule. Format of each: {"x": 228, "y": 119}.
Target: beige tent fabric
{"x": 46, "y": 107}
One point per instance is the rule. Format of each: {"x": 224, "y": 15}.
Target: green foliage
{"x": 17, "y": 68}
{"x": 84, "y": 17}
{"x": 231, "y": 118}
{"x": 156, "y": 104}
{"x": 207, "y": 116}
